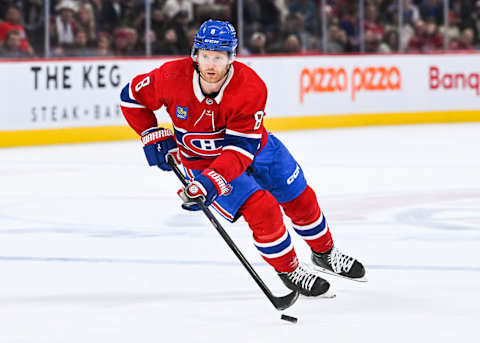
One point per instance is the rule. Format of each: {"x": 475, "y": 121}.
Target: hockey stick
{"x": 280, "y": 303}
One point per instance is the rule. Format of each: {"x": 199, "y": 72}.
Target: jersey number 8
{"x": 145, "y": 82}
{"x": 258, "y": 119}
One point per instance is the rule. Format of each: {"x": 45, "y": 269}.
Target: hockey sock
{"x": 309, "y": 221}
{"x": 262, "y": 213}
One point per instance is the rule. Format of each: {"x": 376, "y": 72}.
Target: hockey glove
{"x": 207, "y": 186}
{"x": 157, "y": 144}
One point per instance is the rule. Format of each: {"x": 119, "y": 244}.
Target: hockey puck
{"x": 289, "y": 318}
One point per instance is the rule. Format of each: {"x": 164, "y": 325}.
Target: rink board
{"x": 73, "y": 100}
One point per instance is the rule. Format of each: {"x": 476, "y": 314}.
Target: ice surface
{"x": 95, "y": 248}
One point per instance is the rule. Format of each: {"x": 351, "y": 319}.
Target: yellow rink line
{"x": 113, "y": 133}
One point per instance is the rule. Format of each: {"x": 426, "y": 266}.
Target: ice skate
{"x": 337, "y": 263}
{"x": 306, "y": 282}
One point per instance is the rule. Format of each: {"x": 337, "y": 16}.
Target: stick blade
{"x": 282, "y": 303}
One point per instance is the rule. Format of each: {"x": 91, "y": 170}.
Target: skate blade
{"x": 326, "y": 271}
{"x": 327, "y": 295}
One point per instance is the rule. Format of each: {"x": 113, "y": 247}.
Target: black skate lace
{"x": 340, "y": 262}
{"x": 303, "y": 277}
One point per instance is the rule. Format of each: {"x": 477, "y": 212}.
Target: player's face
{"x": 213, "y": 65}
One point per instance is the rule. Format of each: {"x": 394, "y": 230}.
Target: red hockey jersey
{"x": 223, "y": 133}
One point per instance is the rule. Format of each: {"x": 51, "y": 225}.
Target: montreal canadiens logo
{"x": 204, "y": 144}
{"x": 228, "y": 189}
{"x": 194, "y": 189}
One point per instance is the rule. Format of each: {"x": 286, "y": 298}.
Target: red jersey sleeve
{"x": 140, "y": 98}
{"x": 244, "y": 132}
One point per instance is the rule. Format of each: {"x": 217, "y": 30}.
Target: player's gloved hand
{"x": 158, "y": 143}
{"x": 207, "y": 187}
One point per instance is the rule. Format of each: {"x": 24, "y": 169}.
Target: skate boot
{"x": 305, "y": 281}
{"x": 337, "y": 263}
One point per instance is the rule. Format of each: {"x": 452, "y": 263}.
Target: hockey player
{"x": 216, "y": 106}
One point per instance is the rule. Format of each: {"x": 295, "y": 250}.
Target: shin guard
{"x": 309, "y": 221}
{"x": 262, "y": 213}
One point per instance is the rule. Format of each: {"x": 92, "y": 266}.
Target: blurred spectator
{"x": 180, "y": 24}
{"x": 190, "y": 36}
{"x": 344, "y": 42}
{"x": 452, "y": 31}
{"x": 282, "y": 9}
{"x": 426, "y": 38}
{"x": 87, "y": 23}
{"x": 291, "y": 44}
{"x": 434, "y": 40}
{"x": 295, "y": 24}
{"x": 251, "y": 11}
{"x": 159, "y": 22}
{"x": 97, "y": 7}
{"x": 172, "y": 7}
{"x": 349, "y": 23}
{"x": 462, "y": 11}
{"x": 65, "y": 26}
{"x": 12, "y": 46}
{"x": 432, "y": 10}
{"x": 473, "y": 22}
{"x": 256, "y": 44}
{"x": 135, "y": 46}
{"x": 133, "y": 13}
{"x": 80, "y": 47}
{"x": 12, "y": 22}
{"x": 337, "y": 40}
{"x": 371, "y": 41}
{"x": 121, "y": 43}
{"x": 382, "y": 8}
{"x": 390, "y": 42}
{"x": 407, "y": 31}
{"x": 411, "y": 13}
{"x": 169, "y": 44}
{"x": 465, "y": 42}
{"x": 270, "y": 18}
{"x": 251, "y": 16}
{"x": 332, "y": 44}
{"x": 111, "y": 15}
{"x": 341, "y": 8}
{"x": 103, "y": 46}
{"x": 153, "y": 41}
{"x": 308, "y": 11}
{"x": 34, "y": 23}
{"x": 373, "y": 27}
{"x": 415, "y": 43}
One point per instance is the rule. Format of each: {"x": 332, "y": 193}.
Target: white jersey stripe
{"x": 241, "y": 134}
{"x": 130, "y": 94}
{"x": 309, "y": 226}
{"x": 240, "y": 150}
{"x": 320, "y": 234}
{"x": 275, "y": 242}
{"x": 278, "y": 254}
{"x": 130, "y": 105}
{"x": 224, "y": 213}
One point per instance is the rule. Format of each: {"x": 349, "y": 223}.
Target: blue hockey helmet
{"x": 217, "y": 36}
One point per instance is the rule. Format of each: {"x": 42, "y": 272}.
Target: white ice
{"x": 95, "y": 248}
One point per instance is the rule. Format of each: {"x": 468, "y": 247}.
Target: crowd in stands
{"x": 117, "y": 27}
